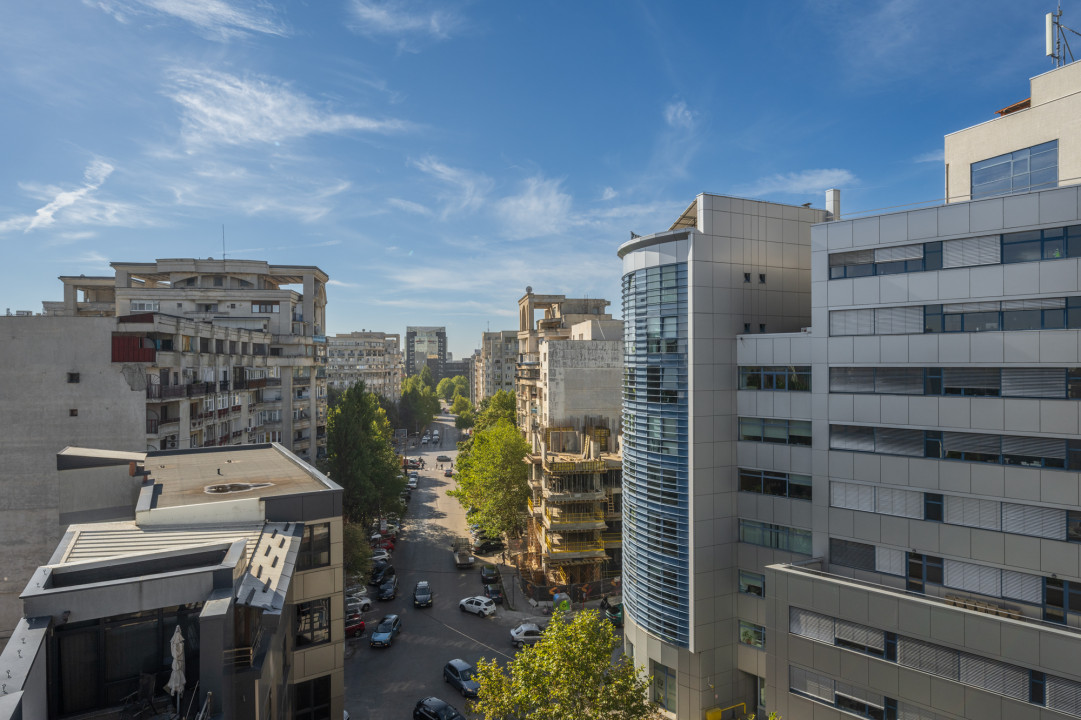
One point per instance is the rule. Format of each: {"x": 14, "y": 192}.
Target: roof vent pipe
{"x": 833, "y": 204}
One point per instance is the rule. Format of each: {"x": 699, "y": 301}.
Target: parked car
{"x": 443, "y": 458}
{"x": 448, "y": 473}
{"x": 389, "y": 589}
{"x": 384, "y": 633}
{"x": 413, "y": 483}
{"x": 526, "y": 634}
{"x": 357, "y": 605}
{"x": 380, "y": 574}
{"x": 432, "y": 708}
{"x": 494, "y": 593}
{"x": 477, "y": 605}
{"x": 489, "y": 574}
{"x": 422, "y": 594}
{"x": 380, "y": 554}
{"x": 485, "y": 545}
{"x": 354, "y": 627}
{"x": 460, "y": 674}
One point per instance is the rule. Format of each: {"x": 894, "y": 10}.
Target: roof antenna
{"x": 1056, "y": 38}
{"x": 223, "y": 242}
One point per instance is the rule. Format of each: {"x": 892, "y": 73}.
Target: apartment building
{"x": 726, "y": 267}
{"x": 493, "y": 364}
{"x": 570, "y": 383}
{"x": 902, "y": 502}
{"x": 426, "y": 345}
{"x": 374, "y": 358}
{"x": 246, "y": 295}
{"x": 239, "y": 548}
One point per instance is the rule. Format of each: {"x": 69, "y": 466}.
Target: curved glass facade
{"x": 656, "y": 526}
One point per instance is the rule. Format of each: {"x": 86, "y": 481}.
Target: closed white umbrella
{"x": 176, "y": 683}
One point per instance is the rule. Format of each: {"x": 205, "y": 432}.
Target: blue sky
{"x": 435, "y": 158}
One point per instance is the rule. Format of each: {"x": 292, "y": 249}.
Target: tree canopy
{"x": 460, "y": 404}
{"x": 450, "y": 386}
{"x": 360, "y": 456}
{"x": 425, "y": 376}
{"x": 494, "y": 408}
{"x": 493, "y": 479}
{"x": 418, "y": 405}
{"x": 568, "y": 674}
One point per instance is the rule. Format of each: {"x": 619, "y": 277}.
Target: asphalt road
{"x": 382, "y": 683}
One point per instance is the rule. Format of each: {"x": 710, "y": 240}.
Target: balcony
{"x": 612, "y": 540}
{"x": 575, "y": 521}
{"x": 581, "y": 548}
{"x": 273, "y": 382}
{"x": 302, "y": 380}
{"x": 223, "y": 386}
{"x": 256, "y": 383}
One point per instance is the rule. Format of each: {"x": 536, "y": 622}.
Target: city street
{"x": 387, "y": 682}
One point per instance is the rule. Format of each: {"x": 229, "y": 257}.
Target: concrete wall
{"x": 583, "y": 378}
{"x": 36, "y": 355}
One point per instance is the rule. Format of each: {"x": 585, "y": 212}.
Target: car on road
{"x": 448, "y": 473}
{"x": 478, "y": 605}
{"x": 494, "y": 593}
{"x": 526, "y": 634}
{"x": 389, "y": 589}
{"x": 443, "y": 458}
{"x": 381, "y": 573}
{"x": 489, "y": 574}
{"x": 460, "y": 674}
{"x": 422, "y": 594}
{"x": 354, "y": 626}
{"x": 432, "y": 708}
{"x": 484, "y": 545}
{"x": 413, "y": 483}
{"x": 380, "y": 554}
{"x": 424, "y": 440}
{"x": 384, "y": 633}
{"x": 357, "y": 604}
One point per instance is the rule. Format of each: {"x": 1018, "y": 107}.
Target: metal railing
{"x": 577, "y": 546}
{"x": 566, "y": 518}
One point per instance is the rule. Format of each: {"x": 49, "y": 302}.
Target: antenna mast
{"x": 223, "y": 242}
{"x": 1057, "y": 44}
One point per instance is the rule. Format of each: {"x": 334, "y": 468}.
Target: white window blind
{"x": 1033, "y": 446}
{"x": 889, "y": 561}
{"x": 1034, "y": 304}
{"x": 904, "y": 252}
{"x": 852, "y": 496}
{"x": 810, "y": 625}
{"x": 852, "y": 379}
{"x": 972, "y": 442}
{"x": 860, "y": 634}
{"x": 1033, "y": 382}
{"x": 898, "y": 320}
{"x": 927, "y": 657}
{"x": 973, "y": 578}
{"x": 899, "y": 380}
{"x": 810, "y": 683}
{"x": 899, "y": 441}
{"x": 907, "y": 711}
{"x": 998, "y": 677}
{"x": 856, "y": 257}
{"x": 1034, "y": 520}
{"x": 972, "y": 378}
{"x": 971, "y": 251}
{"x": 973, "y": 512}
{"x": 1022, "y": 586}
{"x": 852, "y": 437}
{"x": 1063, "y": 695}
{"x": 859, "y": 693}
{"x": 902, "y": 503}
{"x": 852, "y": 322}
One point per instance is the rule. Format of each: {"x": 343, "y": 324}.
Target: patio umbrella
{"x": 176, "y": 683}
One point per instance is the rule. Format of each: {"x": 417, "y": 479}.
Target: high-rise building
{"x": 238, "y": 549}
{"x": 493, "y": 364}
{"x": 426, "y": 346}
{"x": 726, "y": 267}
{"x": 374, "y": 358}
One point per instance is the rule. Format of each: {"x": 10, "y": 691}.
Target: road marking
{"x": 467, "y": 636}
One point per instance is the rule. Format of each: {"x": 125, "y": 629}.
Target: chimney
{"x": 833, "y": 204}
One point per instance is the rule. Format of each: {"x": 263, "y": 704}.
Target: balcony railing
{"x": 301, "y": 380}
{"x": 611, "y": 539}
{"x": 153, "y": 392}
{"x": 223, "y": 386}
{"x": 256, "y": 383}
{"x": 273, "y": 382}
{"x": 577, "y": 546}
{"x": 571, "y": 518}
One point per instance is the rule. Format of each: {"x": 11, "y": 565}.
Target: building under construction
{"x": 568, "y": 383}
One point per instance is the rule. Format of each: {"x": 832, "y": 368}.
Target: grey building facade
{"x": 426, "y": 346}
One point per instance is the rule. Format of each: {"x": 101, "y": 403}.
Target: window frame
{"x": 317, "y": 629}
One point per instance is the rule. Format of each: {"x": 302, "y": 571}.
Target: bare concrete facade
{"x": 374, "y": 358}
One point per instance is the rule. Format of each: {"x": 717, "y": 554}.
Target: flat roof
{"x": 193, "y": 477}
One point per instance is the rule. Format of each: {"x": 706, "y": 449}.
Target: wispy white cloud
{"x": 934, "y": 156}
{"x": 409, "y": 206}
{"x": 609, "y": 194}
{"x": 799, "y": 183}
{"x": 542, "y": 208}
{"x": 339, "y": 283}
{"x": 396, "y": 18}
{"x": 465, "y": 191}
{"x": 678, "y": 115}
{"x": 223, "y": 109}
{"x": 215, "y": 19}
{"x": 74, "y": 207}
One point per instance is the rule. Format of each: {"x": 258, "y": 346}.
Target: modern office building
{"x": 239, "y": 548}
{"x": 726, "y": 267}
{"x": 374, "y": 358}
{"x": 493, "y": 364}
{"x": 575, "y": 505}
{"x": 426, "y": 346}
{"x": 454, "y": 368}
{"x": 902, "y": 504}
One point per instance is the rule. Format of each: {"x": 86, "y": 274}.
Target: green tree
{"x": 460, "y": 404}
{"x": 445, "y": 389}
{"x": 568, "y": 674}
{"x": 461, "y": 386}
{"x": 493, "y": 479}
{"x": 360, "y": 456}
{"x": 494, "y": 408}
{"x": 463, "y": 421}
{"x": 419, "y": 404}
{"x": 357, "y": 552}
{"x": 425, "y": 376}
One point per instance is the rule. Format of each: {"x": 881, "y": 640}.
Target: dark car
{"x": 460, "y": 674}
{"x": 494, "y": 592}
{"x": 442, "y": 458}
{"x": 422, "y": 594}
{"x": 384, "y": 633}
{"x": 448, "y": 473}
{"x": 432, "y": 708}
{"x": 381, "y": 574}
{"x": 489, "y": 574}
{"x": 484, "y": 545}
{"x": 389, "y": 589}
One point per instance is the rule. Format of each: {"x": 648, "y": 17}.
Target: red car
{"x": 354, "y": 626}
{"x": 383, "y": 543}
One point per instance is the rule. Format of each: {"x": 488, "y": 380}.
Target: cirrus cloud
{"x": 799, "y": 183}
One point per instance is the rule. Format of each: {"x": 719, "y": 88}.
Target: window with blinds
{"x": 852, "y": 379}
{"x": 810, "y": 625}
{"x": 973, "y": 578}
{"x": 852, "y": 437}
{"x": 968, "y": 252}
{"x": 973, "y": 512}
{"x": 971, "y": 381}
{"x": 852, "y": 322}
{"x": 854, "y": 257}
{"x": 1034, "y": 520}
{"x": 1026, "y": 450}
{"x": 1034, "y": 382}
{"x": 890, "y": 561}
{"x": 898, "y": 321}
{"x": 928, "y": 658}
{"x": 847, "y": 553}
{"x": 899, "y": 441}
{"x": 997, "y": 677}
{"x": 810, "y": 683}
{"x": 902, "y": 503}
{"x": 1063, "y": 695}
{"x": 852, "y": 496}
{"x": 907, "y": 711}
{"x": 1022, "y": 586}
{"x": 899, "y": 380}
{"x": 860, "y": 637}
{"x": 903, "y": 252}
